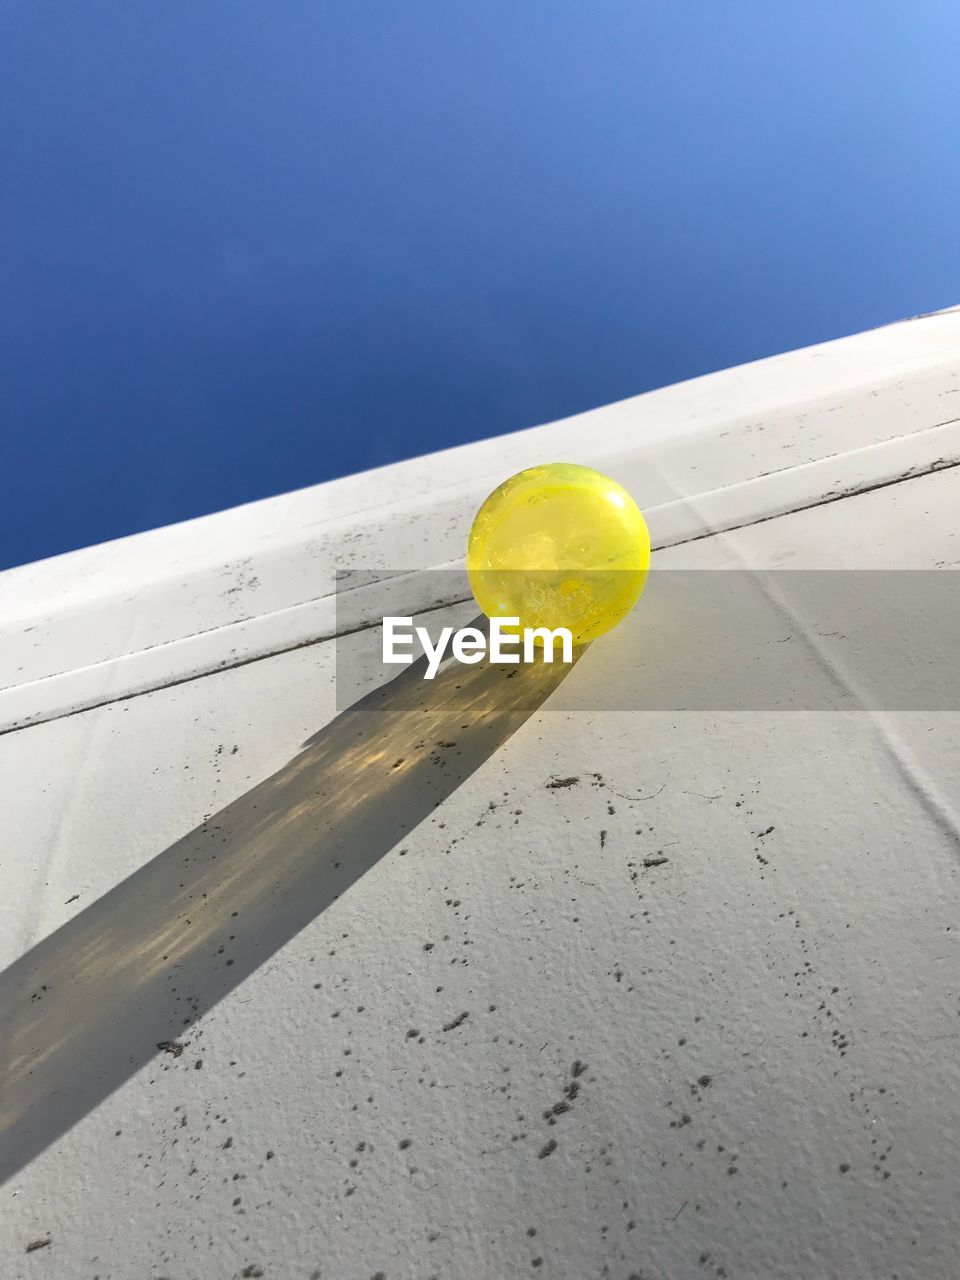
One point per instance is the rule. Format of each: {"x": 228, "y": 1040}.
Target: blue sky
{"x": 246, "y": 247}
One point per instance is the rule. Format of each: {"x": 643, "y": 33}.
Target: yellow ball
{"x": 559, "y": 546}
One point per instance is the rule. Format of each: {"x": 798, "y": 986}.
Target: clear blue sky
{"x": 246, "y": 247}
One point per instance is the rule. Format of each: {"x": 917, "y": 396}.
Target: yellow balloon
{"x": 559, "y": 546}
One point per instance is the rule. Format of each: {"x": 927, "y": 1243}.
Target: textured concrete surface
{"x": 463, "y": 982}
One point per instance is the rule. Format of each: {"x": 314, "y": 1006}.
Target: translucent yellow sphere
{"x": 559, "y": 546}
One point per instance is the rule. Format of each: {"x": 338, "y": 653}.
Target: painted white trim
{"x": 714, "y": 453}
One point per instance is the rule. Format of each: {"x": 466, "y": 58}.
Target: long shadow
{"x": 92, "y": 1003}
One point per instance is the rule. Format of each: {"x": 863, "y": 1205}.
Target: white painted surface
{"x": 708, "y": 454}
{"x": 818, "y": 989}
